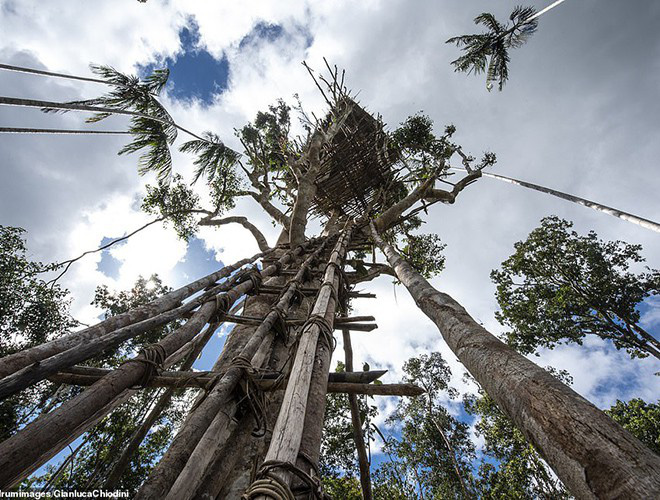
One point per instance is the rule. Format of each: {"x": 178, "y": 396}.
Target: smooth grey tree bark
{"x": 591, "y": 454}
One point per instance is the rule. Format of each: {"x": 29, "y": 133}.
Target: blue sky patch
{"x": 108, "y": 265}
{"x": 197, "y": 262}
{"x": 194, "y": 73}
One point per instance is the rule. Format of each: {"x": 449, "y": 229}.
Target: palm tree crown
{"x": 488, "y": 52}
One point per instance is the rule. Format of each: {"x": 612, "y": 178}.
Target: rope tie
{"x": 279, "y": 326}
{"x": 255, "y": 277}
{"x": 269, "y": 483}
{"x": 297, "y": 297}
{"x": 325, "y": 329}
{"x": 252, "y": 394}
{"x": 307, "y": 272}
{"x": 272, "y": 487}
{"x": 221, "y": 307}
{"x": 278, "y": 267}
{"x": 342, "y": 296}
{"x": 152, "y": 356}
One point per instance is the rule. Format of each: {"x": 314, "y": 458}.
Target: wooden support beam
{"x": 350, "y": 323}
{"x": 359, "y": 327}
{"x": 86, "y": 375}
{"x": 353, "y": 319}
{"x": 376, "y": 389}
{"x": 361, "y": 295}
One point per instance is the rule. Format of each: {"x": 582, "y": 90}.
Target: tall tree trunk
{"x": 306, "y": 189}
{"x": 648, "y": 224}
{"x": 12, "y": 363}
{"x": 592, "y": 455}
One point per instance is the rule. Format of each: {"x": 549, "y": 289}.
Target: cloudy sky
{"x": 580, "y": 114}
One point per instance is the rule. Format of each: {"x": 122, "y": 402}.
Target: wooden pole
{"x": 358, "y": 436}
{"x": 288, "y": 431}
{"x": 33, "y": 445}
{"x": 84, "y": 348}
{"x": 14, "y": 362}
{"x": 217, "y": 432}
{"x": 87, "y": 375}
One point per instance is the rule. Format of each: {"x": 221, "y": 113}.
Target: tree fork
{"x": 592, "y": 455}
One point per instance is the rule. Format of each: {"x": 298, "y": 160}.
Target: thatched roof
{"x": 357, "y": 164}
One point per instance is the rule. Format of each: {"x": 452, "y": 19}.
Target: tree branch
{"x": 262, "y": 198}
{"x": 433, "y": 195}
{"x": 374, "y": 271}
{"x": 243, "y": 221}
{"x": 390, "y": 215}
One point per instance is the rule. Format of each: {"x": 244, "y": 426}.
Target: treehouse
{"x": 356, "y": 164}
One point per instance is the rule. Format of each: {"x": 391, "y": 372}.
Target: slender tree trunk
{"x": 21, "y": 69}
{"x": 12, "y": 363}
{"x": 592, "y": 455}
{"x": 358, "y": 437}
{"x": 646, "y": 223}
{"x": 70, "y": 106}
{"x": 60, "y": 131}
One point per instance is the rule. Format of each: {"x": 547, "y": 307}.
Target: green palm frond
{"x": 152, "y": 136}
{"x": 489, "y": 21}
{"x": 214, "y": 158}
{"x": 488, "y": 52}
{"x": 127, "y": 92}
